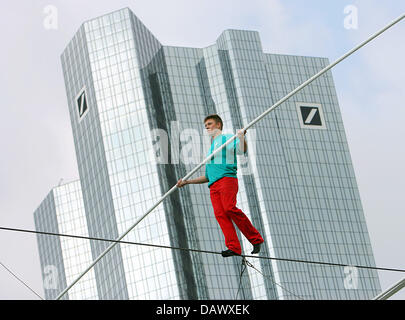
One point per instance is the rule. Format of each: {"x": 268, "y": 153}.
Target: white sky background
{"x": 36, "y": 139}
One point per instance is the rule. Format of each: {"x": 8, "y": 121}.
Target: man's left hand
{"x": 241, "y": 133}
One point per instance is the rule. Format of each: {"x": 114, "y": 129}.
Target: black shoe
{"x": 256, "y": 248}
{"x": 229, "y": 253}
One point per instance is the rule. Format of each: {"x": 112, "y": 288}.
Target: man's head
{"x": 213, "y": 124}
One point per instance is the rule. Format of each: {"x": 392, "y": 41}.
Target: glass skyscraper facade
{"x": 137, "y": 109}
{"x": 63, "y": 258}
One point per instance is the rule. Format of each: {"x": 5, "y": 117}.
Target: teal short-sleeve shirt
{"x": 223, "y": 164}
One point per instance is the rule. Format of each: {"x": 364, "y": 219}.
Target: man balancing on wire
{"x": 220, "y": 173}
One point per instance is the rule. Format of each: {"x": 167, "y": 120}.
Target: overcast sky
{"x": 36, "y": 141}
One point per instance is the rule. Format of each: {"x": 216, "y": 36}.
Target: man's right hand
{"x": 181, "y": 183}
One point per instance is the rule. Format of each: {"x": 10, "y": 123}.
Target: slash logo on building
{"x": 81, "y": 101}
{"x": 311, "y": 115}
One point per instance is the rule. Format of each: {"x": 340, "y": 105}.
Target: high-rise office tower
{"x": 62, "y": 258}
{"x": 137, "y": 109}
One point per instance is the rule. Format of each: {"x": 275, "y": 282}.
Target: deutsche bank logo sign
{"x": 310, "y": 115}
{"x": 81, "y": 103}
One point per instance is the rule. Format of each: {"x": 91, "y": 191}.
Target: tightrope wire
{"x": 198, "y": 250}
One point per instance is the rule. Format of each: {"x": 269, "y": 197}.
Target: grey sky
{"x": 36, "y": 140}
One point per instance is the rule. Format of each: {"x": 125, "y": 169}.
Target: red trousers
{"x": 223, "y": 197}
